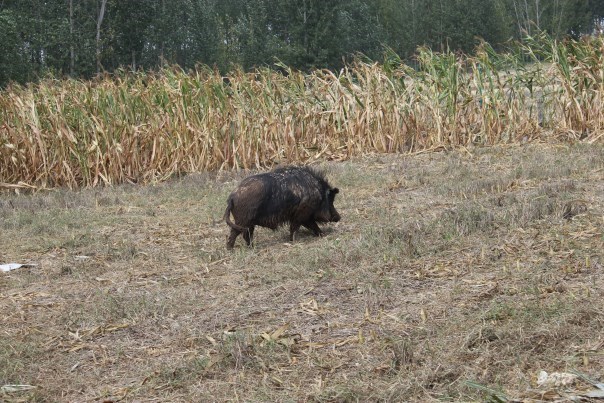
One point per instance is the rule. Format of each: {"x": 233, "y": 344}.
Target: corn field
{"x": 145, "y": 127}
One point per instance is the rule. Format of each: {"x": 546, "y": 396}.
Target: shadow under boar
{"x": 300, "y": 196}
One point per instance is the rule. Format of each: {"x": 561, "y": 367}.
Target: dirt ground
{"x": 453, "y": 276}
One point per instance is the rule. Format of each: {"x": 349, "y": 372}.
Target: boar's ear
{"x": 331, "y": 193}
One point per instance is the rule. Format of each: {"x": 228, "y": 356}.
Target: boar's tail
{"x": 227, "y": 217}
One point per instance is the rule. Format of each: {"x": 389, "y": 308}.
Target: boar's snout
{"x": 335, "y": 217}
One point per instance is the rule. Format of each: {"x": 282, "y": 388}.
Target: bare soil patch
{"x": 453, "y": 276}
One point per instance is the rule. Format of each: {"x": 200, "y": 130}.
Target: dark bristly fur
{"x": 300, "y": 196}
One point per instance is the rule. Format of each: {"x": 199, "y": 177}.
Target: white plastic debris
{"x": 13, "y": 266}
{"x": 16, "y": 388}
{"x": 9, "y": 266}
{"x": 596, "y": 394}
{"x": 555, "y": 379}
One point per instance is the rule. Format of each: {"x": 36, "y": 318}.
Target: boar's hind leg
{"x": 311, "y": 225}
{"x": 232, "y": 237}
{"x": 248, "y": 235}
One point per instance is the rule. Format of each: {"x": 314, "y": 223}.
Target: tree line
{"x": 82, "y": 38}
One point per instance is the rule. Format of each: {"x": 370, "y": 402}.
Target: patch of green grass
{"x": 178, "y": 378}
{"x": 340, "y": 393}
{"x": 529, "y": 312}
{"x": 13, "y": 360}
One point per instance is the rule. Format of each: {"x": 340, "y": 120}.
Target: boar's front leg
{"x": 293, "y": 228}
{"x": 312, "y": 225}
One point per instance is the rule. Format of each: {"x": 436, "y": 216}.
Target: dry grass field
{"x": 453, "y": 276}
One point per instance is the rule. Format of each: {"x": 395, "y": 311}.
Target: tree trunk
{"x": 413, "y": 25}
{"x": 71, "y": 41}
{"x": 99, "y": 21}
{"x": 305, "y": 20}
{"x": 528, "y": 17}
{"x": 537, "y": 16}
{"x": 161, "y": 47}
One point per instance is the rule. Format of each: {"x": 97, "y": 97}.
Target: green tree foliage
{"x": 556, "y": 17}
{"x": 40, "y": 36}
{"x": 13, "y": 58}
{"x": 319, "y": 33}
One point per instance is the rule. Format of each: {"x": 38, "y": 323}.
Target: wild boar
{"x": 300, "y": 196}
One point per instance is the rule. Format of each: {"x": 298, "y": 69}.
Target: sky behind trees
{"x": 81, "y": 38}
